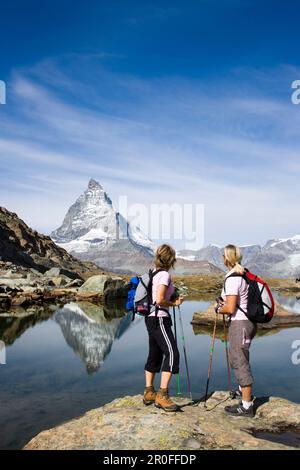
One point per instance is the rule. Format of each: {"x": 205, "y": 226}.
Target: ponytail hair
{"x": 233, "y": 256}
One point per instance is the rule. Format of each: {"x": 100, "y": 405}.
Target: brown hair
{"x": 165, "y": 257}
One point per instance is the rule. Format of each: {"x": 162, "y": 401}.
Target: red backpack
{"x": 261, "y": 305}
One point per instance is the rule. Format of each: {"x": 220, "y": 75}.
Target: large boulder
{"x": 126, "y": 424}
{"x": 103, "y": 285}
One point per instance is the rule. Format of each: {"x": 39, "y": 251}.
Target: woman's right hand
{"x": 179, "y": 301}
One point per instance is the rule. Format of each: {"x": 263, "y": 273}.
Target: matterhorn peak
{"x": 92, "y": 222}
{"x": 93, "y": 184}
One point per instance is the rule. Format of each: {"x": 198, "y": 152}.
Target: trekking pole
{"x": 178, "y": 375}
{"x": 210, "y": 360}
{"x": 185, "y": 355}
{"x": 227, "y": 359}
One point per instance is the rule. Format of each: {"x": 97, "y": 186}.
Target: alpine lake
{"x": 67, "y": 359}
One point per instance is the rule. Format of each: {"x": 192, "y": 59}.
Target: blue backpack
{"x": 139, "y": 297}
{"x": 133, "y": 283}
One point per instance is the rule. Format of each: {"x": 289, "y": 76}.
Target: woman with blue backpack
{"x": 163, "y": 352}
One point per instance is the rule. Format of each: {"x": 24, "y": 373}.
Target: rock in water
{"x": 126, "y": 424}
{"x": 100, "y": 284}
{"x": 282, "y": 318}
{"x": 103, "y": 287}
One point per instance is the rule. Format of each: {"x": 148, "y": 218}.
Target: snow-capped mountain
{"x": 277, "y": 258}
{"x": 92, "y": 219}
{"x": 93, "y": 230}
{"x": 289, "y": 243}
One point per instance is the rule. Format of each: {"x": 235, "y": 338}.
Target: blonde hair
{"x": 165, "y": 257}
{"x": 233, "y": 256}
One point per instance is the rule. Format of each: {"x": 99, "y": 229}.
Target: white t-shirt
{"x": 236, "y": 285}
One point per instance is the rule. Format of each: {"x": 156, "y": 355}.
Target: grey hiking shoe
{"x": 239, "y": 410}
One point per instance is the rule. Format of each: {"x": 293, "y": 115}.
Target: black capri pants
{"x": 163, "y": 352}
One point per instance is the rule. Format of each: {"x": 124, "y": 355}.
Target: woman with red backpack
{"x": 234, "y": 304}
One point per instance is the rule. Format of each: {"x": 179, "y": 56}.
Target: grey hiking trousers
{"x": 241, "y": 333}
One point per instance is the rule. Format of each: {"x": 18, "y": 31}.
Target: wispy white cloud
{"x": 233, "y": 148}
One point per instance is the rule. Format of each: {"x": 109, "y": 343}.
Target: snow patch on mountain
{"x": 294, "y": 260}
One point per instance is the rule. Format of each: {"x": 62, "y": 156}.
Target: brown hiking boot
{"x": 149, "y": 396}
{"x": 164, "y": 401}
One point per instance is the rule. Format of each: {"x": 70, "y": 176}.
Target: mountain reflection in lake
{"x": 88, "y": 331}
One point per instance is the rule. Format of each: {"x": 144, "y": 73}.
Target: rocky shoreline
{"x": 24, "y": 287}
{"x": 126, "y": 424}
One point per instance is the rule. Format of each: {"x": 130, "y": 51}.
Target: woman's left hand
{"x": 218, "y": 305}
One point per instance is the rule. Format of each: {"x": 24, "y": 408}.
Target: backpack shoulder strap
{"x": 243, "y": 276}
{"x": 153, "y": 272}
{"x": 231, "y": 275}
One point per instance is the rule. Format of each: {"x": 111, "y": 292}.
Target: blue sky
{"x": 165, "y": 101}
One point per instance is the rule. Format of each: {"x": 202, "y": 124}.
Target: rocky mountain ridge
{"x": 277, "y": 258}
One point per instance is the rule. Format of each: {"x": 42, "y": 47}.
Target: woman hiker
{"x": 241, "y": 329}
{"x": 163, "y": 352}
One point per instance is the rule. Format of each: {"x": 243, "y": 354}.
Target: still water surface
{"x": 80, "y": 357}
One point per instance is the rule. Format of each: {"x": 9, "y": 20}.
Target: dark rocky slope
{"x": 26, "y": 248}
